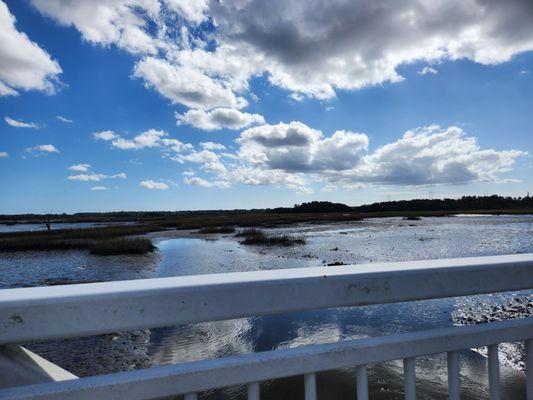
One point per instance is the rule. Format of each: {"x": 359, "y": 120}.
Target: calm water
{"x": 387, "y": 239}
{"x": 24, "y": 227}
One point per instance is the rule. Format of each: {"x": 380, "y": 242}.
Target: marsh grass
{"x": 67, "y": 239}
{"x": 258, "y": 237}
{"x": 121, "y": 246}
{"x": 71, "y": 239}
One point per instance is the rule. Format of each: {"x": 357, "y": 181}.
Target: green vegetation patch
{"x": 79, "y": 239}
{"x": 258, "y": 237}
{"x": 121, "y": 246}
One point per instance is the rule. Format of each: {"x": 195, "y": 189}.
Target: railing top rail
{"x": 42, "y": 313}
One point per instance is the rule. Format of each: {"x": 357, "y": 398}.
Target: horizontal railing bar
{"x": 198, "y": 376}
{"x": 43, "y": 313}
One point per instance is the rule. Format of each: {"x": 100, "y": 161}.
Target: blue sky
{"x": 169, "y": 105}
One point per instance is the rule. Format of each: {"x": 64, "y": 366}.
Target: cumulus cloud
{"x": 24, "y": 65}
{"x": 321, "y": 46}
{"x": 20, "y": 124}
{"x": 63, "y": 119}
{"x": 197, "y": 181}
{"x": 153, "y": 185}
{"x": 4, "y": 154}
{"x": 203, "y": 54}
{"x": 428, "y": 70}
{"x": 99, "y": 188}
{"x": 433, "y": 155}
{"x": 106, "y": 22}
{"x": 212, "y": 146}
{"x": 95, "y": 177}
{"x": 194, "y": 11}
{"x": 297, "y": 147}
{"x": 186, "y": 85}
{"x": 148, "y": 139}
{"x": 151, "y": 138}
{"x": 295, "y": 156}
{"x": 42, "y": 149}
{"x": 80, "y": 167}
{"x": 219, "y": 118}
{"x": 105, "y": 135}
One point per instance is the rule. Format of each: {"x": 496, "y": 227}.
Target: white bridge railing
{"x": 45, "y": 313}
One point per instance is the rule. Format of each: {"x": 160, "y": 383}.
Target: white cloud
{"x": 343, "y": 44}
{"x": 310, "y": 50}
{"x": 95, "y": 177}
{"x": 42, "y": 148}
{"x": 151, "y": 138}
{"x": 3, "y": 154}
{"x": 23, "y": 64}
{"x": 202, "y": 156}
{"x": 194, "y": 11}
{"x": 431, "y": 155}
{"x": 197, "y": 181}
{"x": 186, "y": 85}
{"x": 219, "y": 118}
{"x": 20, "y": 124}
{"x": 6, "y": 90}
{"x": 212, "y": 146}
{"x": 105, "y": 135}
{"x": 99, "y": 188}
{"x": 153, "y": 185}
{"x": 294, "y": 155}
{"x": 329, "y": 188}
{"x": 106, "y": 22}
{"x": 428, "y": 70}
{"x": 148, "y": 139}
{"x": 80, "y": 167}
{"x": 297, "y": 147}
{"x": 297, "y": 97}
{"x": 63, "y": 119}
{"x": 87, "y": 177}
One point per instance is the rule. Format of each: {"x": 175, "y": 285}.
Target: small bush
{"x": 121, "y": 246}
{"x": 217, "y": 229}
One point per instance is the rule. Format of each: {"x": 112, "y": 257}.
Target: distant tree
{"x": 321, "y": 206}
{"x": 47, "y": 222}
{"x": 464, "y": 203}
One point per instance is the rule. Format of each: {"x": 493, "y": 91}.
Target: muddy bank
{"x": 97, "y": 355}
{"x": 511, "y": 354}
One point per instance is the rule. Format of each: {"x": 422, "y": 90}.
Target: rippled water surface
{"x": 387, "y": 239}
